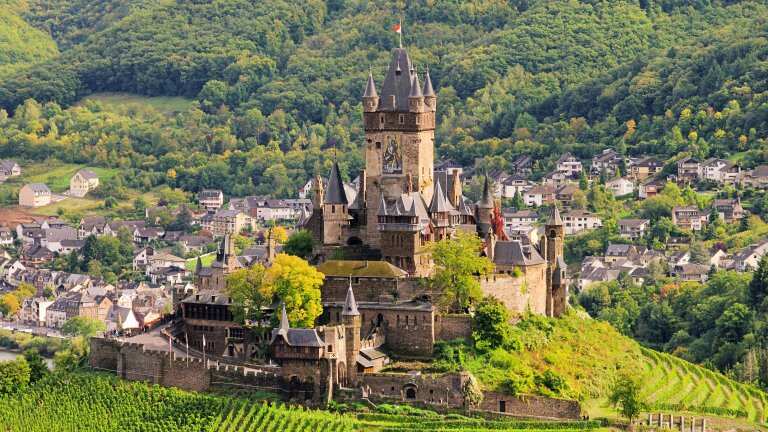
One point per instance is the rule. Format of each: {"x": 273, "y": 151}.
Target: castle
{"x": 403, "y": 205}
{"x": 375, "y": 302}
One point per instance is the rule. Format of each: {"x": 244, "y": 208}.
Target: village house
{"x": 689, "y": 170}
{"x": 33, "y": 311}
{"x": 141, "y": 258}
{"x": 515, "y": 184}
{"x": 83, "y": 182}
{"x": 576, "y": 221}
{"x": 91, "y": 226}
{"x": 748, "y": 258}
{"x": 570, "y": 165}
{"x": 210, "y": 199}
{"x": 143, "y": 235}
{"x": 53, "y": 237}
{"x": 720, "y": 171}
{"x": 162, "y": 260}
{"x": 651, "y": 187}
{"x": 34, "y": 195}
{"x": 557, "y": 179}
{"x": 225, "y": 222}
{"x": 566, "y": 193}
{"x": 633, "y": 229}
{"x": 620, "y": 186}
{"x": 522, "y": 166}
{"x": 644, "y": 168}
{"x": 519, "y": 217}
{"x": 729, "y": 210}
{"x": 692, "y": 272}
{"x": 9, "y": 168}
{"x": 609, "y": 161}
{"x": 539, "y": 195}
{"x": 525, "y": 234}
{"x": 757, "y": 178}
{"x": 689, "y": 218}
{"x": 192, "y": 243}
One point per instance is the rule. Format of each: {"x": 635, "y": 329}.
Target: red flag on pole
{"x": 397, "y": 28}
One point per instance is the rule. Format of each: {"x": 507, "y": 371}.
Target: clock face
{"x": 392, "y": 162}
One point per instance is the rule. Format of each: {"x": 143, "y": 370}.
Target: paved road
{"x": 10, "y": 325}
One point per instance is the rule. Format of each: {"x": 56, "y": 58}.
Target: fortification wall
{"x": 519, "y": 294}
{"x": 530, "y": 406}
{"x": 449, "y": 327}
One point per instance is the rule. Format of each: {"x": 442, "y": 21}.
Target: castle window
{"x": 378, "y": 145}
{"x": 401, "y": 119}
{"x": 418, "y": 119}
{"x": 381, "y": 119}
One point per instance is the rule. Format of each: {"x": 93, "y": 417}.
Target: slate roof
{"x": 87, "y": 174}
{"x": 370, "y": 88}
{"x": 440, "y": 203}
{"x": 38, "y": 187}
{"x": 397, "y": 82}
{"x": 512, "y": 253}
{"x": 486, "y": 201}
{"x": 335, "y": 193}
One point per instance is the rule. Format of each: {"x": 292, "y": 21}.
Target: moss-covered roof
{"x": 381, "y": 269}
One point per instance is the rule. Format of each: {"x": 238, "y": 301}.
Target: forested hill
{"x": 279, "y": 85}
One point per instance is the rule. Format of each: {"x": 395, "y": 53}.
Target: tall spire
{"x": 350, "y": 305}
{"x": 487, "y": 199}
{"x": 415, "y": 87}
{"x": 440, "y": 203}
{"x": 335, "y": 193}
{"x": 284, "y": 324}
{"x": 370, "y": 88}
{"x": 428, "y": 90}
{"x": 198, "y": 265}
{"x": 554, "y": 217}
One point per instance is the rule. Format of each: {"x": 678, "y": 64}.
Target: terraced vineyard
{"x": 85, "y": 402}
{"x": 673, "y": 384}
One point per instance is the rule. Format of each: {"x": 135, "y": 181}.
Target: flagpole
{"x": 400, "y": 33}
{"x": 186, "y": 342}
{"x": 204, "y": 362}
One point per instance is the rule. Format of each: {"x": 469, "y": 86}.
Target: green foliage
{"x": 758, "y": 286}
{"x": 458, "y": 266}
{"x": 299, "y": 244}
{"x": 83, "y": 326}
{"x": 297, "y": 285}
{"x": 490, "y": 325}
{"x": 14, "y": 376}
{"x": 626, "y": 395}
{"x": 249, "y": 293}
{"x": 37, "y": 366}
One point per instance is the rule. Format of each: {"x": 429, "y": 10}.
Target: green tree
{"x": 626, "y": 396}
{"x": 14, "y": 376}
{"x": 297, "y": 284}
{"x": 490, "y": 325}
{"x": 83, "y": 326}
{"x": 299, "y": 244}
{"x": 37, "y": 367}
{"x": 758, "y": 287}
{"x": 458, "y": 264}
{"x": 249, "y": 293}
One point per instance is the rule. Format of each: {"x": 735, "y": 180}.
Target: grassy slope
{"x": 126, "y": 103}
{"x": 589, "y": 354}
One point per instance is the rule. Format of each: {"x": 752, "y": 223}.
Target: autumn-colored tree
{"x": 297, "y": 284}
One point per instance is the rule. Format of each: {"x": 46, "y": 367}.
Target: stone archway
{"x": 410, "y": 391}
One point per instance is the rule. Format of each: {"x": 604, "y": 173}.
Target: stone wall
{"x": 519, "y": 294}
{"x": 449, "y": 327}
{"x": 539, "y": 407}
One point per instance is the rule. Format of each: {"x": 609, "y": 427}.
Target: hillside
{"x": 21, "y": 44}
{"x": 579, "y": 358}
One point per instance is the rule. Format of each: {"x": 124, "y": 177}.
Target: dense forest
{"x": 277, "y": 87}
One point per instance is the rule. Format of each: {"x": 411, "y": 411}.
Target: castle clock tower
{"x": 399, "y": 138}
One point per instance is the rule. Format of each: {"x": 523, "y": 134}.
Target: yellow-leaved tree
{"x": 296, "y": 283}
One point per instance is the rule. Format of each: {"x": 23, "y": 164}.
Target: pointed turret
{"x": 416, "y": 97}
{"x": 454, "y": 190}
{"x": 486, "y": 201}
{"x": 336, "y": 193}
{"x": 350, "y": 305}
{"x": 397, "y": 83}
{"x": 430, "y": 99}
{"x": 440, "y": 203}
{"x": 370, "y": 96}
{"x": 284, "y": 324}
{"x": 554, "y": 217}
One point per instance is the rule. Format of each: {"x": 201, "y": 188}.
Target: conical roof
{"x": 486, "y": 201}
{"x": 554, "y": 217}
{"x": 335, "y": 193}
{"x": 284, "y": 324}
{"x": 370, "y": 88}
{"x": 350, "y": 305}
{"x": 440, "y": 203}
{"x": 397, "y": 83}
{"x": 428, "y": 90}
{"x": 415, "y": 87}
